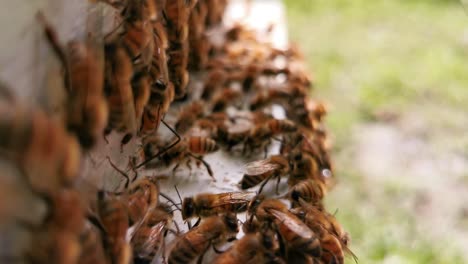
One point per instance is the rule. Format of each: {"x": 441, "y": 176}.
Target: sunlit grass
{"x": 386, "y": 55}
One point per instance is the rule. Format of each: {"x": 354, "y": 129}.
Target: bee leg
{"x": 125, "y": 141}
{"x": 200, "y": 259}
{"x": 265, "y": 151}
{"x": 264, "y": 183}
{"x": 198, "y": 222}
{"x": 189, "y": 166}
{"x": 207, "y": 166}
{"x": 175, "y": 169}
{"x": 278, "y": 180}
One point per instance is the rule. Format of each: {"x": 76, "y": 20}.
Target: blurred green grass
{"x": 395, "y": 56}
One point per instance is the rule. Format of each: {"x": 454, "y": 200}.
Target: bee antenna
{"x": 178, "y": 194}
{"x": 170, "y": 200}
{"x": 163, "y": 150}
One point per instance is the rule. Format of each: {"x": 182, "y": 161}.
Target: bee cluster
{"x": 215, "y": 89}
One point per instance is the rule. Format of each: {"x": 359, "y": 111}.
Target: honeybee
{"x": 191, "y": 147}
{"x": 214, "y": 80}
{"x": 261, "y": 134}
{"x": 142, "y": 196}
{"x": 61, "y": 230}
{"x": 188, "y": 115}
{"x": 87, "y": 111}
{"x": 250, "y": 249}
{"x": 263, "y": 170}
{"x": 141, "y": 91}
{"x": 176, "y": 17}
{"x": 148, "y": 239}
{"x": 297, "y": 236}
{"x": 310, "y": 190}
{"x": 160, "y": 99}
{"x": 119, "y": 92}
{"x": 224, "y": 99}
{"x": 207, "y": 204}
{"x": 326, "y": 225}
{"x": 113, "y": 214}
{"x": 211, "y": 231}
{"x": 48, "y": 156}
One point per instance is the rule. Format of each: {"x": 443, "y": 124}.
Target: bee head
{"x": 188, "y": 208}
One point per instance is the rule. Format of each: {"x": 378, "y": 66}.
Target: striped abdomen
{"x": 201, "y": 145}
{"x": 309, "y": 190}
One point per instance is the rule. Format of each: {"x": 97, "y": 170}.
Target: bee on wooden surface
{"x": 191, "y": 147}
{"x": 45, "y": 152}
{"x": 148, "y": 239}
{"x": 119, "y": 92}
{"x": 211, "y": 231}
{"x": 188, "y": 115}
{"x": 113, "y": 214}
{"x": 250, "y": 249}
{"x": 87, "y": 110}
{"x": 207, "y": 204}
{"x": 296, "y": 235}
{"x": 264, "y": 170}
{"x": 310, "y": 190}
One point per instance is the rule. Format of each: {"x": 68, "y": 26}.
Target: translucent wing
{"x": 155, "y": 234}
{"x": 293, "y": 223}
{"x": 233, "y": 198}
{"x": 260, "y": 167}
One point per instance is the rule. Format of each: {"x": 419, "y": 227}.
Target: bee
{"x": 310, "y": 190}
{"x": 113, "y": 214}
{"x": 148, "y": 238}
{"x": 214, "y": 80}
{"x": 251, "y": 248}
{"x": 87, "y": 111}
{"x": 282, "y": 96}
{"x": 224, "y": 99}
{"x": 176, "y": 18}
{"x": 211, "y": 231}
{"x": 119, "y": 92}
{"x": 188, "y": 115}
{"x": 326, "y": 225}
{"x": 303, "y": 166}
{"x": 261, "y": 134}
{"x": 207, "y": 204}
{"x": 142, "y": 196}
{"x": 141, "y": 91}
{"x": 48, "y": 156}
{"x": 160, "y": 99}
{"x": 191, "y": 147}
{"x": 296, "y": 235}
{"x": 57, "y": 241}
{"x": 263, "y": 170}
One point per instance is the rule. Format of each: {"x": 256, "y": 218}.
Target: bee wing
{"x": 292, "y": 223}
{"x": 156, "y": 234}
{"x": 233, "y": 198}
{"x": 260, "y": 167}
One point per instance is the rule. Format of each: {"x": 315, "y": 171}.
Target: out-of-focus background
{"x": 395, "y": 75}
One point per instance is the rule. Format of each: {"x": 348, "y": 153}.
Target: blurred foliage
{"x": 396, "y": 56}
